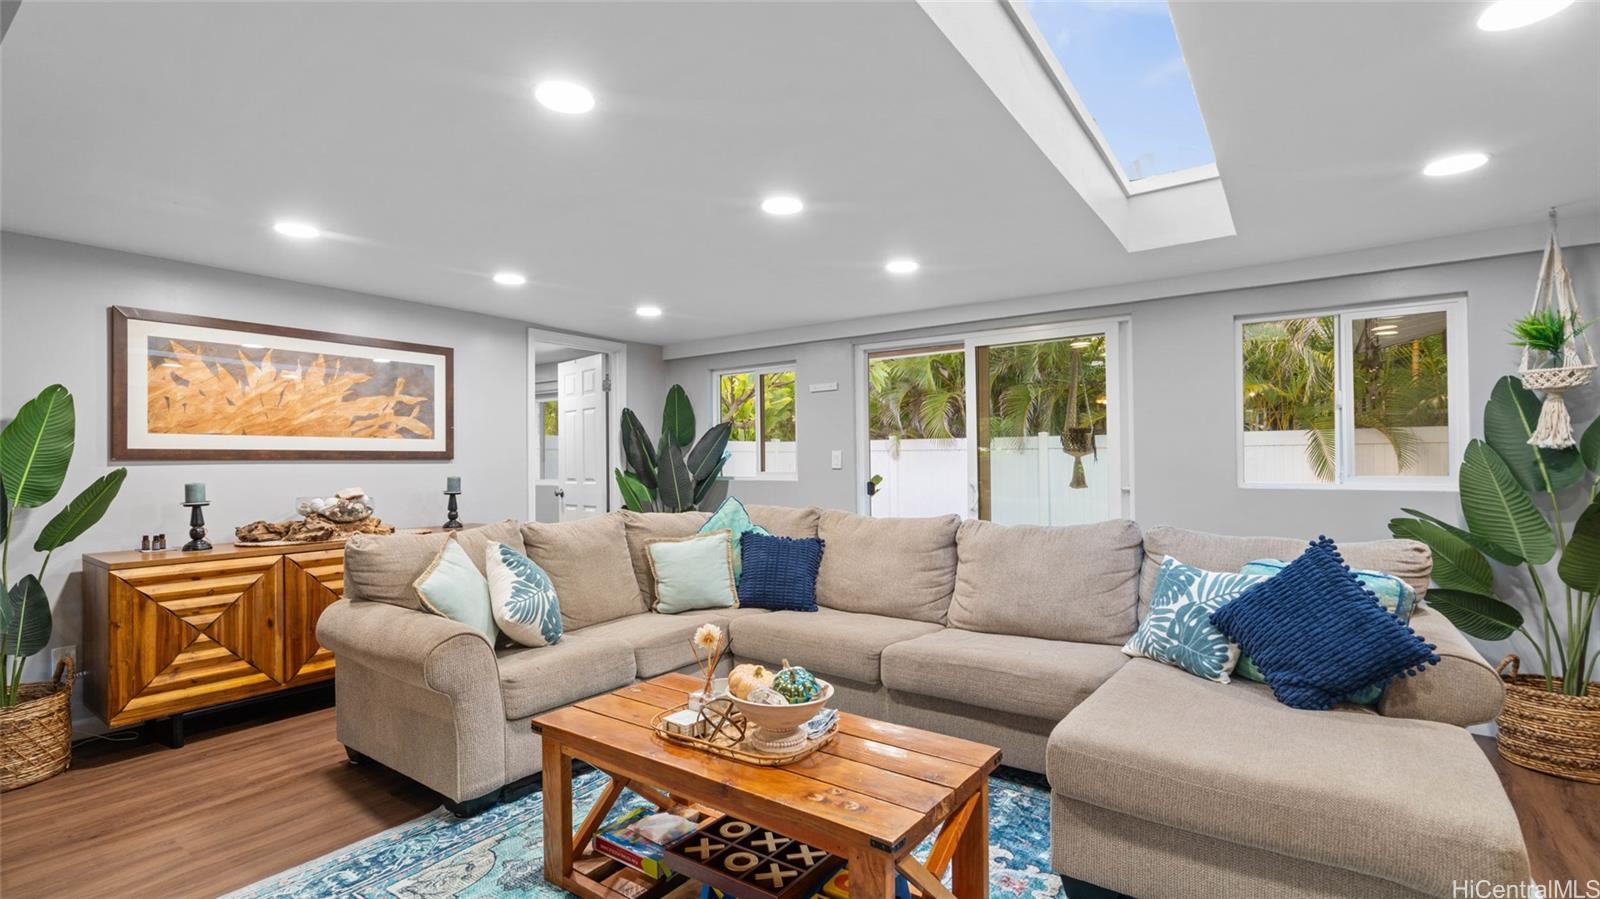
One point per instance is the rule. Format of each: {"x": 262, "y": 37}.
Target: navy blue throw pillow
{"x": 779, "y": 572}
{"x": 1318, "y": 635}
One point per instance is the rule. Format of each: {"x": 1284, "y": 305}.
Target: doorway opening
{"x": 575, "y": 406}
{"x": 1021, "y": 426}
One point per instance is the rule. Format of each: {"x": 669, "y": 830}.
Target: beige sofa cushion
{"x": 476, "y": 540}
{"x": 900, "y": 567}
{"x": 785, "y": 521}
{"x": 641, "y": 528}
{"x": 1232, "y": 762}
{"x": 1022, "y": 675}
{"x": 537, "y": 679}
{"x": 383, "y": 567}
{"x": 847, "y": 645}
{"x": 661, "y": 642}
{"x": 1077, "y": 583}
{"x": 588, "y": 564}
{"x": 1461, "y": 690}
{"x": 1407, "y": 560}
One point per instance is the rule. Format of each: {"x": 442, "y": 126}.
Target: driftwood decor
{"x": 185, "y": 387}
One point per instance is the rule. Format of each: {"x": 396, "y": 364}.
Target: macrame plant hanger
{"x": 1572, "y": 365}
{"x": 1077, "y": 439}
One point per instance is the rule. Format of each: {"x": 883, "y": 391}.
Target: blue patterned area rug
{"x": 501, "y": 852}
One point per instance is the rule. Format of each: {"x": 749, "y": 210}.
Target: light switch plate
{"x": 837, "y": 459}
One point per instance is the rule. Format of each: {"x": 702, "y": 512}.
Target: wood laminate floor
{"x": 269, "y": 788}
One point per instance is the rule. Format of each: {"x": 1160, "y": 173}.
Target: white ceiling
{"x": 407, "y": 131}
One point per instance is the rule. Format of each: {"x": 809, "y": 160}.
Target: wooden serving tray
{"x": 723, "y": 745}
{"x": 750, "y": 862}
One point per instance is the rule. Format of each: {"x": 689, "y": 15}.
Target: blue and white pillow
{"x": 1178, "y": 631}
{"x": 522, "y": 598}
{"x": 731, "y": 516}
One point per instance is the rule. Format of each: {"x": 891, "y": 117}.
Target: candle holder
{"x": 452, "y": 514}
{"x": 197, "y": 528}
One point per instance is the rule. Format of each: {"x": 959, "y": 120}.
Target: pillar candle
{"x": 194, "y": 493}
{"x": 452, "y": 484}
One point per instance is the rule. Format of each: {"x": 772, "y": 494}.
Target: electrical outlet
{"x": 59, "y": 652}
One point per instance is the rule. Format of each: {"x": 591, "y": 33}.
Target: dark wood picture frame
{"x": 119, "y": 316}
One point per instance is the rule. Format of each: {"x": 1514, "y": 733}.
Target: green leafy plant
{"x": 1546, "y": 330}
{"x": 1500, "y": 477}
{"x": 35, "y": 449}
{"x": 670, "y": 475}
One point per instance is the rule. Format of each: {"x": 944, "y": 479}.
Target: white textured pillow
{"x": 521, "y": 597}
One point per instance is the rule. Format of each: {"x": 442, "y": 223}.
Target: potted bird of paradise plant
{"x": 35, "y": 718}
{"x": 1551, "y": 721}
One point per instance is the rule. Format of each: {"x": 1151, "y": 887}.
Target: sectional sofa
{"x": 1163, "y": 784}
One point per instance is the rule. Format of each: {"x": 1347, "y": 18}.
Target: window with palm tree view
{"x": 759, "y": 404}
{"x": 1028, "y": 444}
{"x": 1332, "y": 398}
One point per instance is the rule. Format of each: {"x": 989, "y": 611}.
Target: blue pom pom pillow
{"x": 1397, "y": 597}
{"x": 1318, "y": 635}
{"x": 1178, "y": 629}
{"x": 780, "y": 573}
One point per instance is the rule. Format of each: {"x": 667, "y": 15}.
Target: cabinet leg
{"x": 166, "y": 731}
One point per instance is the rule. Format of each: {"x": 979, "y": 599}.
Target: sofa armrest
{"x": 1461, "y": 690}
{"x": 417, "y": 648}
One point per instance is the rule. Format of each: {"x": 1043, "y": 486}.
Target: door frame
{"x": 1119, "y": 392}
{"x": 617, "y": 399}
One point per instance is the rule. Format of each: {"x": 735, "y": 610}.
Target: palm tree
{"x": 922, "y": 396}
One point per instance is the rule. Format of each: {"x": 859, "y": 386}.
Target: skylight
{"x": 1126, "y": 74}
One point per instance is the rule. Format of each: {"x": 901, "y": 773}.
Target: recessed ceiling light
{"x": 648, "y": 312}
{"x": 509, "y": 279}
{"x": 1504, "y": 15}
{"x": 1454, "y": 165}
{"x": 301, "y": 230}
{"x": 901, "y": 266}
{"x": 782, "y": 204}
{"x": 564, "y": 97}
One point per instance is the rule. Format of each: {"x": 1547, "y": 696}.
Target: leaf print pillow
{"x": 522, "y": 598}
{"x": 1178, "y": 630}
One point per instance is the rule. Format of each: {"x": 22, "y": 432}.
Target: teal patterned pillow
{"x": 522, "y": 597}
{"x": 1397, "y": 597}
{"x": 1178, "y": 629}
{"x": 731, "y": 516}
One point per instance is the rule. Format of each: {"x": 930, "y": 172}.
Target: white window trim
{"x": 1455, "y": 308}
{"x": 754, "y": 370}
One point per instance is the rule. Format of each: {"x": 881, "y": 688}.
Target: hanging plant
{"x": 1556, "y": 357}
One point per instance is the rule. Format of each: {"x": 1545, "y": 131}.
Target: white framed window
{"x": 1368, "y": 397}
{"x": 760, "y": 404}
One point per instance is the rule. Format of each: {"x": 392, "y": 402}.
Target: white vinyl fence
{"x": 1030, "y": 480}
{"x": 1279, "y": 457}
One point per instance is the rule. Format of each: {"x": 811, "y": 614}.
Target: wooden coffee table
{"x": 870, "y": 796}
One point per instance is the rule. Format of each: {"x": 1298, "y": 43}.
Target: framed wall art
{"x": 186, "y": 387}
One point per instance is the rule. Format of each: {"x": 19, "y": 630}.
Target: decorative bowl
{"x": 779, "y": 718}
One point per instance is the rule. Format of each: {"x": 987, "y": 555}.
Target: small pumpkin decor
{"x": 745, "y": 678}
{"x": 795, "y": 684}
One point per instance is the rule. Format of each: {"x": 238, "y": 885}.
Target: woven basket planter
{"x": 36, "y": 733}
{"x": 1549, "y": 732}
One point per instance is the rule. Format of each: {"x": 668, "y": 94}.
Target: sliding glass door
{"x": 1020, "y": 427}
{"x": 1047, "y": 443}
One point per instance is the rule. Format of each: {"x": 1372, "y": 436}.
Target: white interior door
{"x": 581, "y": 408}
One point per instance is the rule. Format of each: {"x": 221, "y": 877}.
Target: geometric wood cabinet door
{"x": 312, "y": 582}
{"x": 171, "y": 632}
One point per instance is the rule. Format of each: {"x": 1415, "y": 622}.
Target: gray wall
{"x": 1184, "y": 468}
{"x": 53, "y": 299}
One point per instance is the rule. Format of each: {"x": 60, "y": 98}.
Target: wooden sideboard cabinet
{"x": 170, "y": 632}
